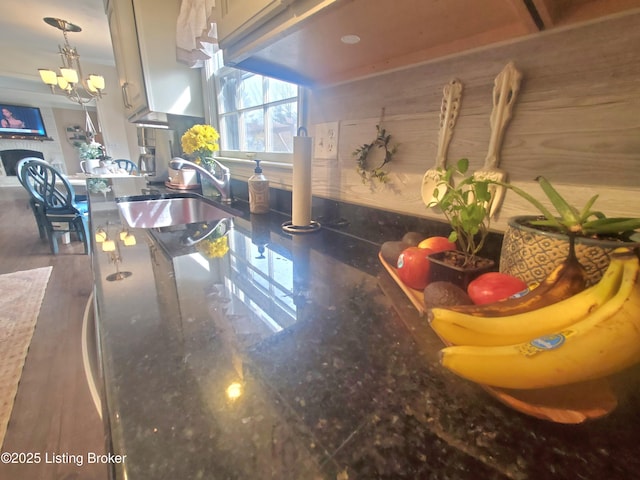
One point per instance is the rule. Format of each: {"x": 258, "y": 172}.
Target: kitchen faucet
{"x": 223, "y": 184}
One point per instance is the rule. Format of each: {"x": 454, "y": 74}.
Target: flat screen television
{"x": 18, "y": 121}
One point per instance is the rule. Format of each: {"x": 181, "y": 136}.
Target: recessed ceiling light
{"x": 350, "y": 39}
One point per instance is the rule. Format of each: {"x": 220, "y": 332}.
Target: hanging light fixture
{"x": 70, "y": 80}
{"x": 111, "y": 247}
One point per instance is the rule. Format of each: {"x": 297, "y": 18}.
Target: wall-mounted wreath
{"x": 377, "y": 173}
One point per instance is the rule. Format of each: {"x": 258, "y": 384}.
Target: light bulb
{"x": 129, "y": 240}
{"x": 97, "y": 81}
{"x": 100, "y": 235}
{"x": 62, "y": 83}
{"x": 69, "y": 74}
{"x": 48, "y": 76}
{"x": 108, "y": 246}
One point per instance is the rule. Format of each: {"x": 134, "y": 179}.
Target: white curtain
{"x": 196, "y": 32}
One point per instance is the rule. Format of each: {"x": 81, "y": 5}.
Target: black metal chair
{"x": 63, "y": 213}
{"x": 36, "y": 207}
{"x": 127, "y": 165}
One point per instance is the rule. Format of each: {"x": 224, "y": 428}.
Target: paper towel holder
{"x": 289, "y": 226}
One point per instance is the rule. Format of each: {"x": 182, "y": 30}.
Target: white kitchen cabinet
{"x": 123, "y": 35}
{"x": 153, "y": 83}
{"x": 239, "y": 17}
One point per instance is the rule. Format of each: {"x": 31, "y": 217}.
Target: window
{"x": 255, "y": 114}
{"x": 262, "y": 279}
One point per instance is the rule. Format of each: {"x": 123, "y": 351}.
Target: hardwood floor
{"x": 53, "y": 411}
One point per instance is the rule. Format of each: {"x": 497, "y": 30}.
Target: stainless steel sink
{"x": 170, "y": 210}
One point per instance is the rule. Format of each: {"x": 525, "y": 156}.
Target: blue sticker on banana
{"x": 542, "y": 344}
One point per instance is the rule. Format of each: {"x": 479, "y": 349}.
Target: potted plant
{"x": 534, "y": 245}
{"x": 465, "y": 206}
{"x": 90, "y": 155}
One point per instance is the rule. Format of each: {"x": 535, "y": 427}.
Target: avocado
{"x": 413, "y": 238}
{"x": 445, "y": 294}
{"x": 390, "y": 251}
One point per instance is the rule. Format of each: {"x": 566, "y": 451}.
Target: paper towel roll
{"x": 301, "y": 209}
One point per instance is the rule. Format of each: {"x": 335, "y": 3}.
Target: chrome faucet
{"x": 222, "y": 184}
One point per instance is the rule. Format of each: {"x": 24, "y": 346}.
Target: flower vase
{"x": 207, "y": 186}
{"x": 208, "y": 189}
{"x": 89, "y": 165}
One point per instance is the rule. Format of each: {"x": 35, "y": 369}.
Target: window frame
{"x": 283, "y": 159}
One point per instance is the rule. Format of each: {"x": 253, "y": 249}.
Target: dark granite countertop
{"x": 339, "y": 375}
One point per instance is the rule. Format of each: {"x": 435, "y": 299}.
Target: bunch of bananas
{"x": 549, "y": 337}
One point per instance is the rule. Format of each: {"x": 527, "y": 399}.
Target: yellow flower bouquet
{"x": 212, "y": 239}
{"x": 200, "y": 141}
{"x": 214, "y": 248}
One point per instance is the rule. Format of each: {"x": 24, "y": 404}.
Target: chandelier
{"x": 112, "y": 248}
{"x": 70, "y": 80}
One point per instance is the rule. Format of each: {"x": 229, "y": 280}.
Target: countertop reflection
{"x": 296, "y": 357}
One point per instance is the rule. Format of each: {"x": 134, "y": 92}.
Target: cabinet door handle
{"x": 125, "y": 96}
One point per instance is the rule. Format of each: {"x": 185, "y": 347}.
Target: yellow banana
{"x": 607, "y": 341}
{"x": 564, "y": 281}
{"x": 462, "y": 329}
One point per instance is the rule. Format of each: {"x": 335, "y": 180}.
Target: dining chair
{"x": 127, "y": 165}
{"x": 63, "y": 213}
{"x": 36, "y": 207}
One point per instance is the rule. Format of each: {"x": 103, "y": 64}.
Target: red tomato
{"x": 413, "y": 267}
{"x": 494, "y": 286}
{"x": 437, "y": 244}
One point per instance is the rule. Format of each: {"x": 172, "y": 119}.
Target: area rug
{"x": 21, "y": 295}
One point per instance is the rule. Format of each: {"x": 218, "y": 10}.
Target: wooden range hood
{"x": 303, "y": 43}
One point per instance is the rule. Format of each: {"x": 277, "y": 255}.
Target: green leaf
{"x": 544, "y": 223}
{"x": 609, "y": 226}
{"x": 447, "y": 175}
{"x": 482, "y": 191}
{"x": 553, "y": 221}
{"x": 568, "y": 213}
{"x": 586, "y": 210}
{"x": 585, "y": 222}
{"x": 463, "y": 165}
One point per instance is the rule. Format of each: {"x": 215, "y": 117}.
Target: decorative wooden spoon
{"x": 505, "y": 90}
{"x": 448, "y": 115}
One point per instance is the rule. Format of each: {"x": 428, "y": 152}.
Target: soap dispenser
{"x": 258, "y": 191}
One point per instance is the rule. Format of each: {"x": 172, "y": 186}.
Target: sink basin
{"x": 169, "y": 210}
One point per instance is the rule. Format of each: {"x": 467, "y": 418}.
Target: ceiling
{"x": 28, "y": 43}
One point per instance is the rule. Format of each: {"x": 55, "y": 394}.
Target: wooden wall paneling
{"x": 575, "y": 120}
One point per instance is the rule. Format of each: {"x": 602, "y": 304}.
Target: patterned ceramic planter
{"x": 532, "y": 254}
